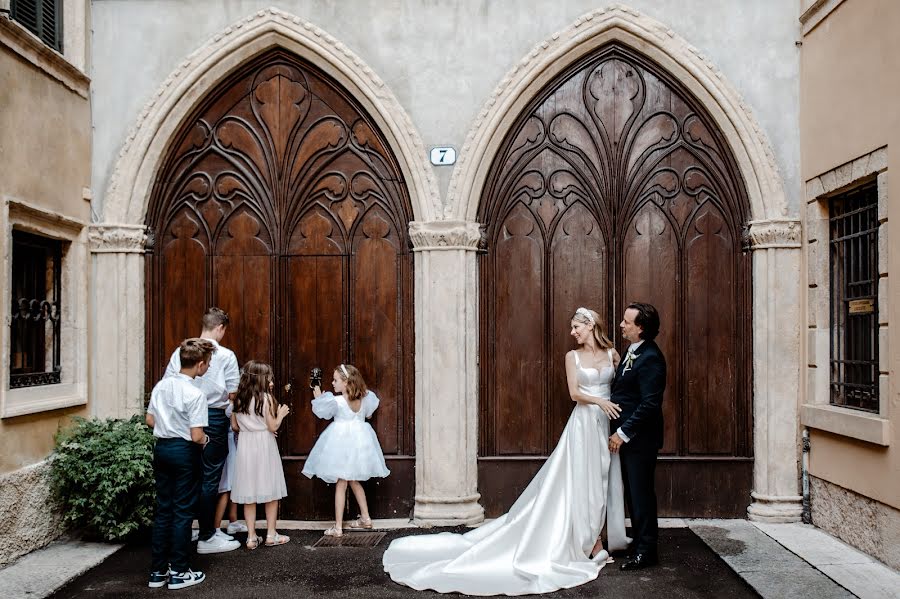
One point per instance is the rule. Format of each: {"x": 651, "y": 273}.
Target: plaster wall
{"x": 441, "y": 60}
{"x": 848, "y": 108}
{"x": 45, "y": 139}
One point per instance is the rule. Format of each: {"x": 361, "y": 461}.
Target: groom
{"x": 638, "y": 389}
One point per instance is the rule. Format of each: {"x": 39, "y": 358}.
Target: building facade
{"x": 45, "y": 148}
{"x": 848, "y": 129}
{"x": 277, "y": 161}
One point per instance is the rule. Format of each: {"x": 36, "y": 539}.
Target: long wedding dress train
{"x": 542, "y": 544}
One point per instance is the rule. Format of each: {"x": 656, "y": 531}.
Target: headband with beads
{"x": 587, "y": 314}
{"x": 344, "y": 370}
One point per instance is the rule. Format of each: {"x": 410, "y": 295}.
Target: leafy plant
{"x": 101, "y": 475}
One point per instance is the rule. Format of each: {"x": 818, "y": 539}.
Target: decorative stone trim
{"x": 72, "y": 388}
{"x": 550, "y": 57}
{"x": 817, "y": 411}
{"x": 444, "y": 235}
{"x": 848, "y": 174}
{"x": 774, "y": 234}
{"x": 816, "y": 13}
{"x": 118, "y": 239}
{"x": 32, "y": 49}
{"x": 849, "y": 423}
{"x": 131, "y": 182}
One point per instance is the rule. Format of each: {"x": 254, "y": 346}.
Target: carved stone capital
{"x": 444, "y": 235}
{"x": 117, "y": 239}
{"x": 774, "y": 234}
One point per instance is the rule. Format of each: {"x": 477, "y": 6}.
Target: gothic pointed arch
{"x": 614, "y": 184}
{"x": 280, "y": 200}
{"x": 126, "y": 198}
{"x": 728, "y": 112}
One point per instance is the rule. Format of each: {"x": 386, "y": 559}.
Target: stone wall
{"x": 29, "y": 520}
{"x": 868, "y": 525}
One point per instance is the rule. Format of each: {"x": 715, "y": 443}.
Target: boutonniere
{"x": 629, "y": 360}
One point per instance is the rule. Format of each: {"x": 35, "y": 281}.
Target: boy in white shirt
{"x": 218, "y": 385}
{"x": 178, "y": 414}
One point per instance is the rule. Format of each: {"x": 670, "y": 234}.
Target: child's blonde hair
{"x": 356, "y": 386}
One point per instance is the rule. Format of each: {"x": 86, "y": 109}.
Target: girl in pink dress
{"x": 258, "y": 476}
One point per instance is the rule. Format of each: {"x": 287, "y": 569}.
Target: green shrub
{"x": 102, "y": 476}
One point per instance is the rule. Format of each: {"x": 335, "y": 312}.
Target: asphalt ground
{"x": 688, "y": 568}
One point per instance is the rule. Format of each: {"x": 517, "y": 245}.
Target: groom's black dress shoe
{"x": 639, "y": 561}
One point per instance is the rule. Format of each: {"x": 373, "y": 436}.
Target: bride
{"x": 543, "y": 543}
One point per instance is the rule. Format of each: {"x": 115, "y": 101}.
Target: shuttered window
{"x": 42, "y": 18}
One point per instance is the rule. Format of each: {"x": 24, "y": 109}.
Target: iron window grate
{"x": 35, "y": 311}
{"x": 853, "y": 222}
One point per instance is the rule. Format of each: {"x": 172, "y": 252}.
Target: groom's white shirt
{"x": 631, "y": 349}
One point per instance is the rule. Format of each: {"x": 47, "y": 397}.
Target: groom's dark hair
{"x": 647, "y": 318}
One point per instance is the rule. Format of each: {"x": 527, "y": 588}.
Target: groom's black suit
{"x": 639, "y": 392}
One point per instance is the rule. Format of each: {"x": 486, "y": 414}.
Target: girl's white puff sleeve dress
{"x": 348, "y": 449}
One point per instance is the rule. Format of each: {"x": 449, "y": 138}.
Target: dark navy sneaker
{"x": 158, "y": 579}
{"x": 180, "y": 580}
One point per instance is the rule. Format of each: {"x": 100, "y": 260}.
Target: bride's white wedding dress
{"x": 542, "y": 544}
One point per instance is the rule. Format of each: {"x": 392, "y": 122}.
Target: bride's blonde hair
{"x": 592, "y": 319}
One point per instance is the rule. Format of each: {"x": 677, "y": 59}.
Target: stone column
{"x": 777, "y": 327}
{"x": 446, "y": 373}
{"x": 117, "y": 319}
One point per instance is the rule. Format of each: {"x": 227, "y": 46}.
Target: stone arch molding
{"x": 145, "y": 147}
{"x": 658, "y": 42}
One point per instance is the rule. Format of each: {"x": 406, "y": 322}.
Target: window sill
{"x": 31, "y": 49}
{"x": 848, "y": 423}
{"x": 32, "y": 400}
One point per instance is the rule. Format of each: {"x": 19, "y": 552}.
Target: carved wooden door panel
{"x": 281, "y": 203}
{"x": 614, "y": 186}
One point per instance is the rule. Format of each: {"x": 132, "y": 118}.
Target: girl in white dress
{"x": 545, "y": 541}
{"x": 346, "y": 452}
{"x": 258, "y": 473}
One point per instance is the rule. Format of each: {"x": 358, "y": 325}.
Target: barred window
{"x": 35, "y": 316}
{"x": 853, "y": 222}
{"x": 42, "y": 18}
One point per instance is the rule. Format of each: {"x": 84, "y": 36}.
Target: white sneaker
{"x": 217, "y": 544}
{"x": 181, "y": 580}
{"x": 222, "y": 535}
{"x": 195, "y": 534}
{"x": 236, "y": 526}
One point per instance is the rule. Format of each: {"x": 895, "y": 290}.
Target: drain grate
{"x": 351, "y": 539}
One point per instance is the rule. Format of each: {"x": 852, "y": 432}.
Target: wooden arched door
{"x": 281, "y": 203}
{"x": 615, "y": 186}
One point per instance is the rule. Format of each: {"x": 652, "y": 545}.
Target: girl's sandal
{"x": 276, "y": 539}
{"x": 361, "y": 523}
{"x": 334, "y": 532}
{"x": 253, "y": 542}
